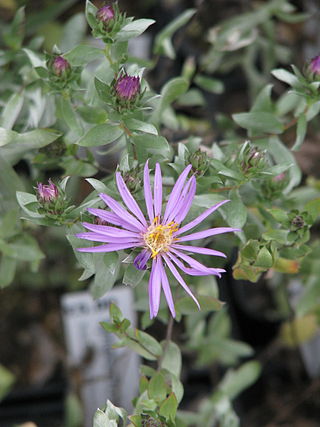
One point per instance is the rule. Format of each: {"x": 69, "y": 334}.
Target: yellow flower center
{"x": 159, "y": 237}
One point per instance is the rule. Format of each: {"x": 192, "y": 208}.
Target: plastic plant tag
{"x": 99, "y": 371}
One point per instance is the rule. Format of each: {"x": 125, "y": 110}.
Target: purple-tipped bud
{"x": 315, "y": 65}
{"x": 279, "y": 178}
{"x": 60, "y": 65}
{"x": 105, "y": 14}
{"x": 47, "y": 193}
{"x": 127, "y": 87}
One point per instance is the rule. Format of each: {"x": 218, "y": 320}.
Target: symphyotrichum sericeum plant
{"x": 159, "y": 235}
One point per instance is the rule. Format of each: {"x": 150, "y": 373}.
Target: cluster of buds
{"x": 199, "y": 161}
{"x": 51, "y": 199}
{"x": 126, "y": 91}
{"x": 272, "y": 188}
{"x": 60, "y": 73}
{"x": 132, "y": 179}
{"x": 107, "y": 22}
{"x": 251, "y": 160}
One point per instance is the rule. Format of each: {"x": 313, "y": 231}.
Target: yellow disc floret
{"x": 159, "y": 237}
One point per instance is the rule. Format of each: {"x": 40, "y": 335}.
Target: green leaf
{"x": 148, "y": 342}
{"x": 157, "y": 389}
{"x": 279, "y": 235}
{"x": 186, "y": 305}
{"x": 7, "y": 271}
{"x": 11, "y": 110}
{"x": 168, "y": 409}
{"x": 259, "y": 122}
{"x": 138, "y": 125}
{"x": 91, "y": 114}
{"x": 209, "y": 84}
{"x": 26, "y": 248}
{"x": 264, "y": 258}
{"x": 101, "y": 419}
{"x": 310, "y": 299}
{"x": 285, "y": 76}
{"x": 134, "y": 29}
{"x": 35, "y": 59}
{"x": 74, "y": 32}
{"x": 301, "y": 132}
{"x": 9, "y": 183}
{"x": 6, "y": 381}
{"x": 20, "y": 144}
{"x": 101, "y": 135}
{"x": 171, "y": 91}
{"x": 234, "y": 212}
{"x": 163, "y": 44}
{"x": 235, "y": 381}
{"x": 133, "y": 276}
{"x": 151, "y": 145}
{"x": 263, "y": 102}
{"x": 224, "y": 170}
{"x": 107, "y": 268}
{"x": 91, "y": 11}
{"x": 193, "y": 97}
{"x": 66, "y": 112}
{"x": 83, "y": 54}
{"x": 171, "y": 360}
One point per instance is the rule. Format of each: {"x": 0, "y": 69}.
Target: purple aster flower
{"x": 315, "y": 65}
{"x": 60, "y": 65}
{"x": 127, "y": 87}
{"x": 160, "y": 235}
{"x": 105, "y": 14}
{"x": 47, "y": 193}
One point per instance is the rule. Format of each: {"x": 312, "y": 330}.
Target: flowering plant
{"x": 89, "y": 114}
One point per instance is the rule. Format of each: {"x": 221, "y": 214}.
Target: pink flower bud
{"x": 47, "y": 193}
{"x": 105, "y": 14}
{"x": 60, "y": 65}
{"x": 127, "y": 87}
{"x": 279, "y": 178}
{"x": 315, "y": 65}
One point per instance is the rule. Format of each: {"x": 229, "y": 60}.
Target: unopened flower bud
{"x": 199, "y": 161}
{"x": 279, "y": 178}
{"x": 105, "y": 14}
{"x": 298, "y": 221}
{"x": 60, "y": 65}
{"x": 127, "y": 88}
{"x": 47, "y": 193}
{"x": 315, "y": 65}
{"x": 132, "y": 179}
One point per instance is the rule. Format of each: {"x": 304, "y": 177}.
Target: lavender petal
{"x": 112, "y": 218}
{"x": 111, "y": 247}
{"x": 157, "y": 194}
{"x": 201, "y": 217}
{"x": 110, "y": 231}
{"x": 199, "y": 250}
{"x": 140, "y": 261}
{"x": 183, "y": 211}
{"x": 156, "y": 286}
{"x": 193, "y": 271}
{"x": 120, "y": 211}
{"x": 147, "y": 192}
{"x": 207, "y": 233}
{"x": 176, "y": 192}
{"x": 96, "y": 237}
{"x": 166, "y": 289}
{"x": 177, "y": 275}
{"x": 129, "y": 200}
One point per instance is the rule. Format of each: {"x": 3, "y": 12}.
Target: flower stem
{"x": 168, "y": 339}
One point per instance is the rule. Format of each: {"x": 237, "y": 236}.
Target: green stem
{"x": 168, "y": 339}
